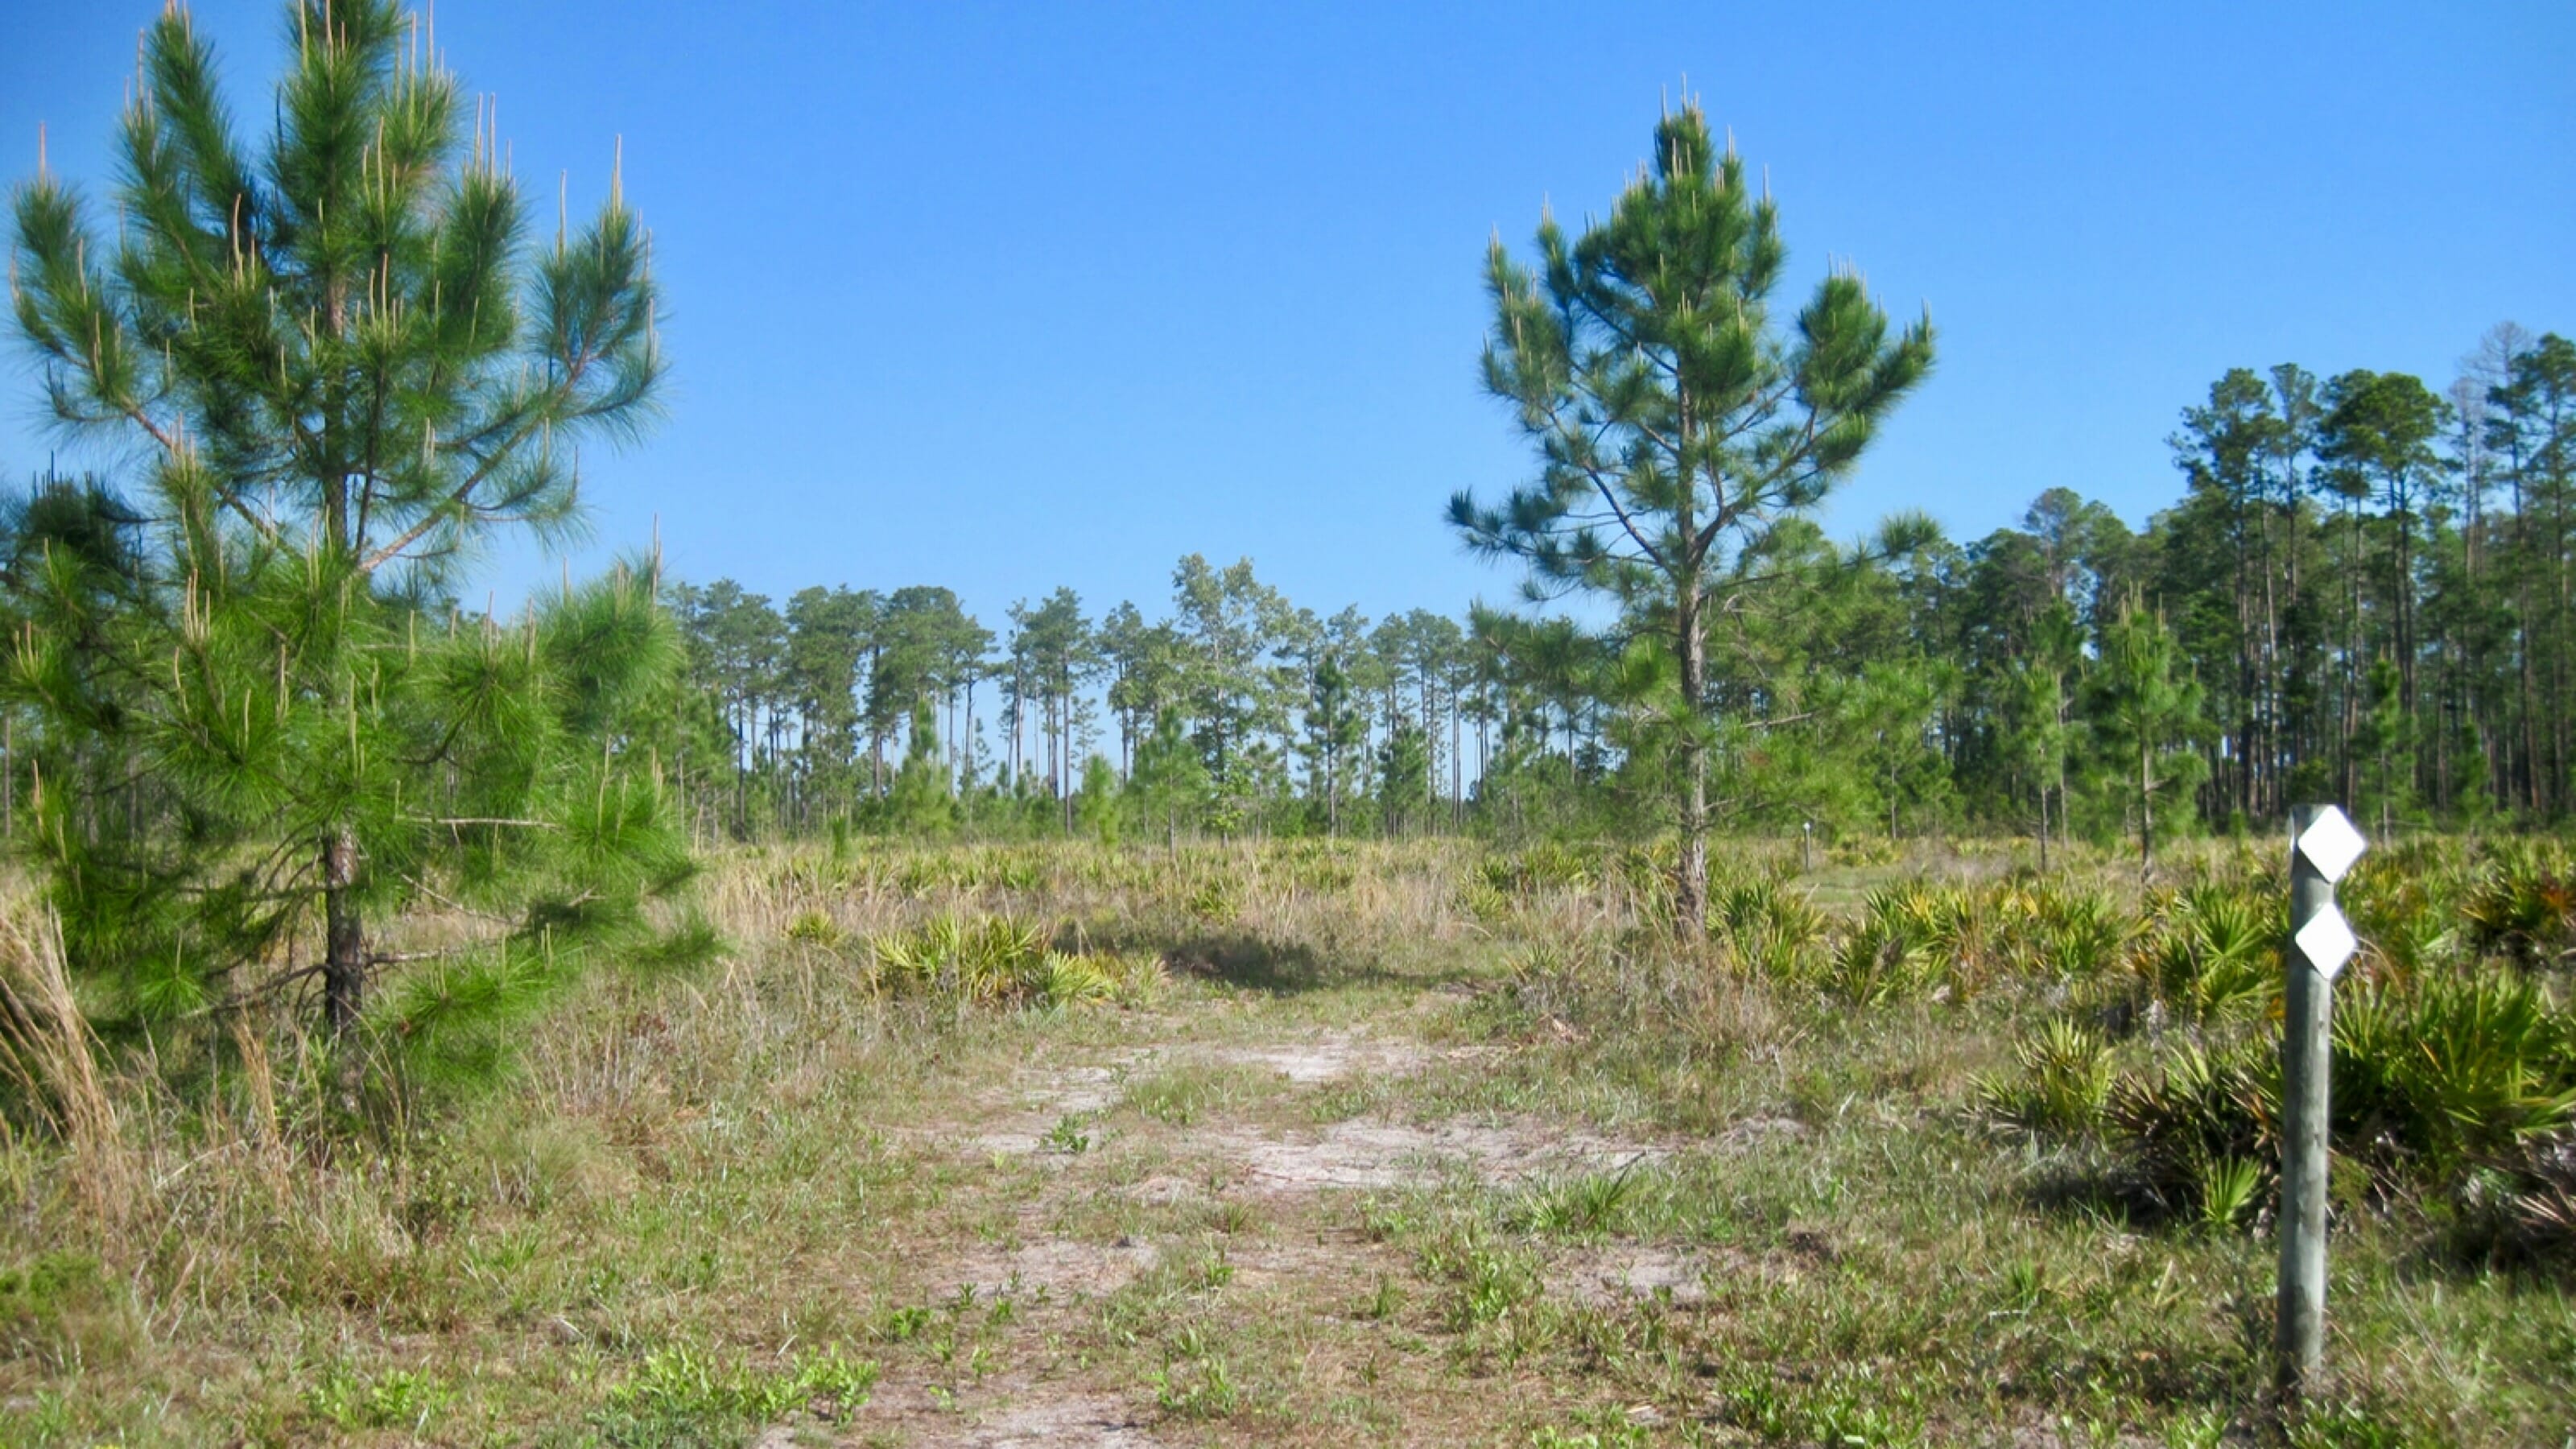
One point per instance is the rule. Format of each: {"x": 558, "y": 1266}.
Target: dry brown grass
{"x": 47, "y": 1049}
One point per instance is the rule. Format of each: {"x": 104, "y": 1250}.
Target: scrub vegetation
{"x": 1412, "y": 1140}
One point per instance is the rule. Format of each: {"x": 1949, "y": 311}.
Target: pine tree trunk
{"x": 2559, "y": 650}
{"x": 344, "y": 961}
{"x": 2523, "y": 622}
{"x": 1457, "y": 769}
{"x": 2146, "y": 805}
{"x": 2349, "y": 772}
{"x": 1692, "y": 899}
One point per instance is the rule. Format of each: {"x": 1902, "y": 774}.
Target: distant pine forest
{"x": 2365, "y": 592}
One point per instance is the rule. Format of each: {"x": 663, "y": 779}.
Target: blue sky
{"x": 1010, "y": 297}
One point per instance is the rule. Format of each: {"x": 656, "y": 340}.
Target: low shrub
{"x": 2063, "y": 1084}
{"x": 2216, "y": 953}
{"x": 1768, "y": 926}
{"x": 998, "y": 961}
{"x": 2440, "y": 1078}
{"x": 2522, "y": 905}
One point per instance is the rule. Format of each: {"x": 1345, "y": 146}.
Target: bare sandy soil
{"x": 1268, "y": 1143}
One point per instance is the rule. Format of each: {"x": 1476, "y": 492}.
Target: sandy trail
{"x": 1271, "y": 1156}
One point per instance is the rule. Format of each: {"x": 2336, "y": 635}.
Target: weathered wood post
{"x": 2323, "y": 845}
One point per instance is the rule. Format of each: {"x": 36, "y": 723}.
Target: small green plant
{"x": 1181, "y": 1095}
{"x": 814, "y": 928}
{"x": 1385, "y": 1220}
{"x": 904, "y": 1324}
{"x": 1575, "y": 1207}
{"x": 1603, "y": 1436}
{"x": 2351, "y": 1425}
{"x": 1383, "y": 1304}
{"x": 1212, "y": 1271}
{"x": 1067, "y": 1136}
{"x": 1197, "y": 1389}
{"x": 2024, "y": 1284}
{"x": 395, "y": 1399}
{"x": 680, "y": 1393}
{"x": 2198, "y": 1429}
{"x": 2229, "y": 1189}
{"x": 1486, "y": 1282}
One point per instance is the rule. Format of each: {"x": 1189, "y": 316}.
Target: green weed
{"x": 686, "y": 1395}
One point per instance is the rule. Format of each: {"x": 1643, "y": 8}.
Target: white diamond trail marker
{"x": 2331, "y": 844}
{"x": 2323, "y": 847}
{"x": 2327, "y": 941}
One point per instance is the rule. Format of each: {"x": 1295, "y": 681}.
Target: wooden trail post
{"x": 2323, "y": 845}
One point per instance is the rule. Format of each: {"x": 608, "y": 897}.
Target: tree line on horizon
{"x": 2362, "y": 594}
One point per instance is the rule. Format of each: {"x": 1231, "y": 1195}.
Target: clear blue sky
{"x": 1008, "y": 297}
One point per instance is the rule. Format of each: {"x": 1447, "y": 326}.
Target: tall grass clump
{"x": 47, "y": 1057}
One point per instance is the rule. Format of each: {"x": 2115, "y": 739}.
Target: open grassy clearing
{"x": 1286, "y": 1145}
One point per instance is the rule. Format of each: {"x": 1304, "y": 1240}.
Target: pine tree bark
{"x": 344, "y": 960}
{"x": 2146, "y": 803}
{"x": 1692, "y": 897}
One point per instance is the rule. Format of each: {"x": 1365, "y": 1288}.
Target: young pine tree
{"x": 1170, "y": 780}
{"x": 2038, "y": 736}
{"x": 920, "y": 802}
{"x": 343, "y": 369}
{"x": 1403, "y": 776}
{"x": 2145, "y": 709}
{"x": 1675, "y": 422}
{"x": 1336, "y": 732}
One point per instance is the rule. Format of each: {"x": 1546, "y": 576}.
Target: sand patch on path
{"x": 1626, "y": 1272}
{"x": 1078, "y": 1421}
{"x": 1317, "y": 1060}
{"x": 1062, "y": 1267}
{"x": 1040, "y": 1100}
{"x": 1365, "y": 1153}
{"x": 1048, "y": 1417}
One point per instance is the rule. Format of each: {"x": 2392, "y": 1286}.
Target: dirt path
{"x": 1146, "y": 1195}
